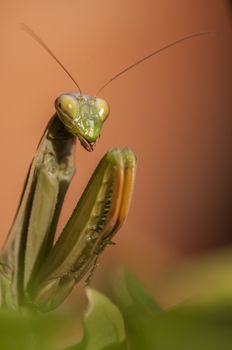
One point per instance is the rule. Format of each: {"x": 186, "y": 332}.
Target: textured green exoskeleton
{"x": 83, "y": 116}
{"x": 97, "y": 217}
{"x": 34, "y": 271}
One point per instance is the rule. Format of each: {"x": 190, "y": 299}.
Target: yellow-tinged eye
{"x": 69, "y": 105}
{"x": 103, "y": 108}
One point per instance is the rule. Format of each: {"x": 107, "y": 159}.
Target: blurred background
{"x": 174, "y": 111}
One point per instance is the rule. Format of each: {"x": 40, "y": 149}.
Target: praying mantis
{"x": 34, "y": 271}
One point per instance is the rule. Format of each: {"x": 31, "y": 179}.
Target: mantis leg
{"x": 36, "y": 273}
{"x": 31, "y": 235}
{"x": 97, "y": 217}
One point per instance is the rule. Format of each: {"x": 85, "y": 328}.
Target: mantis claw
{"x": 41, "y": 274}
{"x": 102, "y": 208}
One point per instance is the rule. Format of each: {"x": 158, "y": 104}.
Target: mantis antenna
{"x": 41, "y": 42}
{"x": 151, "y": 55}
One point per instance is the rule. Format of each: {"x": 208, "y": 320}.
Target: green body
{"x": 36, "y": 272}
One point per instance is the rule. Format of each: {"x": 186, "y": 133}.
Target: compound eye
{"x": 103, "y": 108}
{"x": 69, "y": 105}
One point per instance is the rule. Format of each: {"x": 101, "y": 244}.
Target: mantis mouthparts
{"x": 37, "y": 273}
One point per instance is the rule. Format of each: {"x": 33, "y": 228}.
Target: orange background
{"x": 174, "y": 111}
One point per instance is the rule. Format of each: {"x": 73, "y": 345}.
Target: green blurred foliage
{"x": 196, "y": 325}
{"x": 140, "y": 313}
{"x": 103, "y": 325}
{"x": 204, "y": 323}
{"x": 134, "y": 321}
{"x": 25, "y": 331}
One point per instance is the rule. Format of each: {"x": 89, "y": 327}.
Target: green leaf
{"x": 200, "y": 324}
{"x": 103, "y": 325}
{"x": 193, "y": 328}
{"x": 139, "y": 311}
{"x": 29, "y": 332}
{"x": 140, "y": 296}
